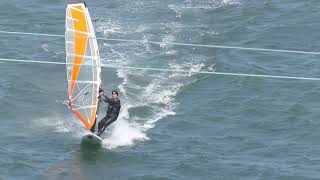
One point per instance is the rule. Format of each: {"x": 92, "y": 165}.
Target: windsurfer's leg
{"x": 107, "y": 123}
{"x": 103, "y": 128}
{"x": 111, "y": 120}
{"x": 102, "y": 122}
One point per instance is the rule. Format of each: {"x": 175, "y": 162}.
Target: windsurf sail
{"x": 83, "y": 64}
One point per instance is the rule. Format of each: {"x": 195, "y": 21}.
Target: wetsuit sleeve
{"x": 106, "y": 99}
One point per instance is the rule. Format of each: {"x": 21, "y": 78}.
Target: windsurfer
{"x": 113, "y": 110}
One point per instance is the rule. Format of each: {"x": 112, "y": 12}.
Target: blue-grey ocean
{"x": 172, "y": 125}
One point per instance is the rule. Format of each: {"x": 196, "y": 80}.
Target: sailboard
{"x": 82, "y": 66}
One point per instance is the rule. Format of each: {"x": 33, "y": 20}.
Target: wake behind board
{"x": 90, "y": 138}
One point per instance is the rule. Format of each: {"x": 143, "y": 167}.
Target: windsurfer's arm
{"x": 105, "y": 98}
{"x": 102, "y": 96}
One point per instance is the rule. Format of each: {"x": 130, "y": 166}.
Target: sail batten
{"x": 80, "y": 32}
{"x": 70, "y": 18}
{"x": 76, "y": 9}
{"x": 83, "y": 56}
{"x": 82, "y": 64}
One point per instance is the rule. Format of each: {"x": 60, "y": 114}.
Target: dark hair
{"x": 115, "y": 92}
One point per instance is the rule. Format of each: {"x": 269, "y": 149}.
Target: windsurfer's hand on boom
{"x": 101, "y": 92}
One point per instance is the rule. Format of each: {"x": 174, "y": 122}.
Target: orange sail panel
{"x": 83, "y": 64}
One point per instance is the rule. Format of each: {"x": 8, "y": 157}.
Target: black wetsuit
{"x": 113, "y": 111}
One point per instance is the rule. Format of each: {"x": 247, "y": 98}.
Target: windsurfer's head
{"x": 114, "y": 94}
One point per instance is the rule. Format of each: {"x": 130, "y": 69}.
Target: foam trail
{"x": 159, "y": 96}
{"x": 125, "y": 131}
{"x": 147, "y": 96}
{"x": 122, "y": 132}
{"x": 231, "y": 2}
